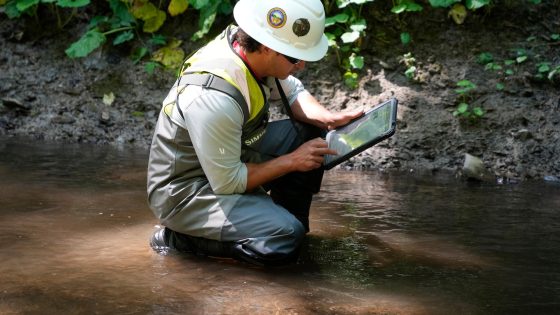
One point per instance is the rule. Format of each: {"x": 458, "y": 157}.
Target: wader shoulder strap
{"x": 211, "y": 81}
{"x": 287, "y": 107}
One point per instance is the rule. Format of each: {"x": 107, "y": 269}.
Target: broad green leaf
{"x": 339, "y": 18}
{"x": 458, "y": 13}
{"x": 485, "y": 58}
{"x": 478, "y": 111}
{"x": 11, "y": 10}
{"x": 123, "y": 37}
{"x": 357, "y": 62}
{"x": 466, "y": 86}
{"x": 359, "y": 26}
{"x": 170, "y": 56}
{"x": 493, "y": 66}
{"x": 177, "y": 7}
{"x": 463, "y": 108}
{"x": 350, "y": 37}
{"x": 144, "y": 11}
{"x": 150, "y": 67}
{"x": 206, "y": 19}
{"x": 443, "y": 3}
{"x": 410, "y": 72}
{"x": 414, "y": 7}
{"x": 72, "y": 3}
{"x": 199, "y": 4}
{"x": 466, "y": 83}
{"x": 521, "y": 59}
{"x": 153, "y": 24}
{"x": 86, "y": 44}
{"x": 121, "y": 12}
{"x": 351, "y": 79}
{"x": 398, "y": 9}
{"x": 475, "y": 4}
{"x": 405, "y": 38}
{"x": 23, "y": 5}
{"x": 543, "y": 67}
{"x": 500, "y": 86}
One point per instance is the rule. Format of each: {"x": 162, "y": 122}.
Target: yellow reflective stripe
{"x": 216, "y": 58}
{"x": 257, "y": 98}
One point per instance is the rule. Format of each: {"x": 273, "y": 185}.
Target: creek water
{"x": 75, "y": 227}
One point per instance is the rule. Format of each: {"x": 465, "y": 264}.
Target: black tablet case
{"x": 353, "y": 127}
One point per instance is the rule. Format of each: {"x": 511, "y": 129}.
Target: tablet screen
{"x": 375, "y": 125}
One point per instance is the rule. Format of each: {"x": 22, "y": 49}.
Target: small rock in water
{"x": 474, "y": 168}
{"x": 552, "y": 178}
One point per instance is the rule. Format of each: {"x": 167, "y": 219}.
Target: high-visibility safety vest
{"x": 217, "y": 66}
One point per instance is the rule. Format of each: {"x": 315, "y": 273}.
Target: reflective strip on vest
{"x": 218, "y": 58}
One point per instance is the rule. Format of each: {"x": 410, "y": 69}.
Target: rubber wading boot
{"x": 158, "y": 241}
{"x": 163, "y": 240}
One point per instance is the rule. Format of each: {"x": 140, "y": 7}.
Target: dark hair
{"x": 247, "y": 42}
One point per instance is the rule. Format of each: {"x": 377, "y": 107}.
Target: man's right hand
{"x": 310, "y": 155}
{"x": 307, "y": 157}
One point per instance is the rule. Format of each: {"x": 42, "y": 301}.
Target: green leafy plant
{"x": 405, "y": 38}
{"x": 345, "y": 31}
{"x": 125, "y": 22}
{"x": 464, "y": 110}
{"x": 119, "y": 24}
{"x": 546, "y": 70}
{"x": 410, "y": 63}
{"x": 18, "y": 8}
{"x": 401, "y": 6}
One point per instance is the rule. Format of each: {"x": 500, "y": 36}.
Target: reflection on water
{"x": 75, "y": 225}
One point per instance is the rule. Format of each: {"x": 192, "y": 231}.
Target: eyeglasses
{"x": 292, "y": 60}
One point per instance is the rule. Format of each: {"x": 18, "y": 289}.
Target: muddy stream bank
{"x": 45, "y": 95}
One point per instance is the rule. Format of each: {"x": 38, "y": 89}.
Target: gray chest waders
{"x": 209, "y": 247}
{"x": 293, "y": 191}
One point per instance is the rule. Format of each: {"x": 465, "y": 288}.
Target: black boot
{"x": 165, "y": 239}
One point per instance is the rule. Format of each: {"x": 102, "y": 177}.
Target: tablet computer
{"x": 377, "y": 124}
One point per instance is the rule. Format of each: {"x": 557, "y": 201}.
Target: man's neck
{"x": 251, "y": 59}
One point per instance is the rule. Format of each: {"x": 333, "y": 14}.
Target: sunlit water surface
{"x": 75, "y": 227}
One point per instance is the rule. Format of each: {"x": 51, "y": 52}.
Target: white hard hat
{"x": 290, "y": 27}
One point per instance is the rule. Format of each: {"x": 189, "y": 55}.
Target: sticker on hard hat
{"x": 276, "y": 17}
{"x": 301, "y": 27}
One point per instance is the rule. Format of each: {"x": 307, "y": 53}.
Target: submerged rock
{"x": 552, "y": 178}
{"x": 473, "y": 168}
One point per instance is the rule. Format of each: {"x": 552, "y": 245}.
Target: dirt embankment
{"x": 45, "y": 95}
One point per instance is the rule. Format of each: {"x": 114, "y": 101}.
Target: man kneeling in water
{"x": 214, "y": 155}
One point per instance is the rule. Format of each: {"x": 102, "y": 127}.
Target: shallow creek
{"x": 75, "y": 227}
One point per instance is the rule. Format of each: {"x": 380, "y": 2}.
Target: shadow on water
{"x": 75, "y": 225}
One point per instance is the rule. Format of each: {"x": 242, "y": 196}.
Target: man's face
{"x": 284, "y": 66}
